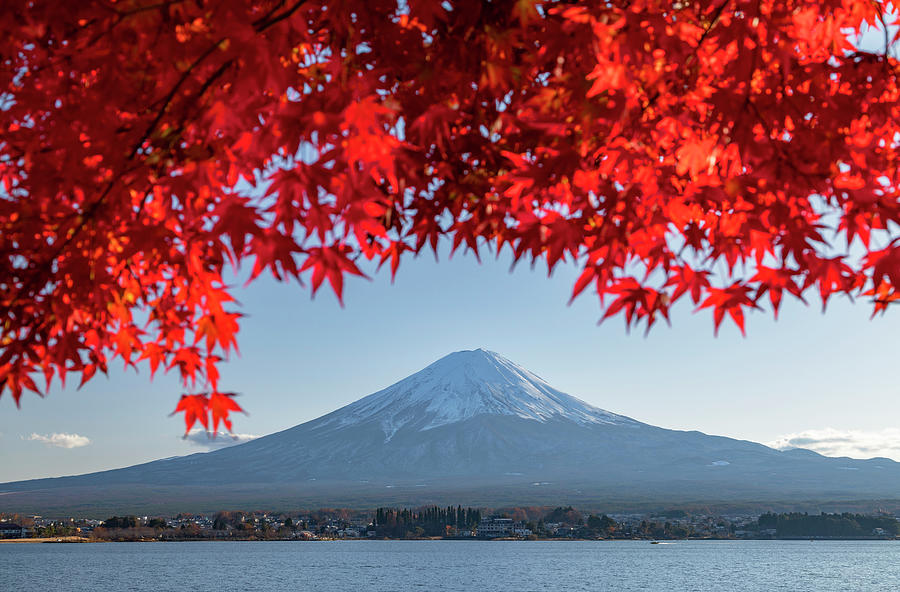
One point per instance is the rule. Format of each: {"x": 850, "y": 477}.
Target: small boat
{"x": 654, "y": 542}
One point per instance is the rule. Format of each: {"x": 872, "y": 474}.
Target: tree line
{"x": 429, "y": 521}
{"x": 827, "y": 525}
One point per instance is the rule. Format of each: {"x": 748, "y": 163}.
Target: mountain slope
{"x": 463, "y": 385}
{"x": 472, "y": 427}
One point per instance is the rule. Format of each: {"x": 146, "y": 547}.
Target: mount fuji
{"x": 471, "y": 428}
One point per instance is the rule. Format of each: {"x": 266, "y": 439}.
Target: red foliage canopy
{"x": 718, "y": 150}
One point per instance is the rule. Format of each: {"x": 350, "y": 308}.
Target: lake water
{"x": 495, "y": 566}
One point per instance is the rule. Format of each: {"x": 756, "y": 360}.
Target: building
{"x": 352, "y": 533}
{"x": 8, "y": 530}
{"x": 494, "y": 527}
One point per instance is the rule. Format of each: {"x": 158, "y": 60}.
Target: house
{"x": 8, "y": 530}
{"x": 494, "y": 527}
{"x": 352, "y": 533}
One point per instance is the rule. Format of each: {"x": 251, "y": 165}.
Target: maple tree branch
{"x": 651, "y": 100}
{"x": 887, "y": 33}
{"x": 212, "y": 78}
{"x": 88, "y": 214}
{"x": 715, "y": 20}
{"x": 710, "y": 26}
{"x": 167, "y": 100}
{"x": 268, "y": 15}
{"x": 264, "y": 23}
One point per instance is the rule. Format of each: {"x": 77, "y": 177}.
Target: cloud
{"x": 203, "y": 438}
{"x": 61, "y": 440}
{"x": 852, "y": 443}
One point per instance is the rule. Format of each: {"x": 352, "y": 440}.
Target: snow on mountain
{"x": 463, "y": 385}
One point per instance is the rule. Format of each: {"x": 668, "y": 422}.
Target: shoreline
{"x": 65, "y": 539}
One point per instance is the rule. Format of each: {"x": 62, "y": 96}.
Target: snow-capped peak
{"x": 462, "y": 385}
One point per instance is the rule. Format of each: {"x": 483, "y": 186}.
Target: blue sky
{"x": 834, "y": 374}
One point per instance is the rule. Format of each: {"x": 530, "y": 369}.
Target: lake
{"x": 496, "y": 566}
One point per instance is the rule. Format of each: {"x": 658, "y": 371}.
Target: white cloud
{"x": 852, "y": 443}
{"x": 61, "y": 440}
{"x": 203, "y": 438}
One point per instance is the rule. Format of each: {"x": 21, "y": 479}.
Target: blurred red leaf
{"x": 220, "y": 405}
{"x": 194, "y": 408}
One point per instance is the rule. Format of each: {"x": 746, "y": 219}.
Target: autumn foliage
{"x": 729, "y": 153}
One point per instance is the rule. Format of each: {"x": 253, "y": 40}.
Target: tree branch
{"x": 264, "y": 23}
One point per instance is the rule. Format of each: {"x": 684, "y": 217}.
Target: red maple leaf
{"x": 220, "y": 405}
{"x": 194, "y": 408}
{"x": 731, "y": 300}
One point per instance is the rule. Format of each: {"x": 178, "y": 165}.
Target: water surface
{"x": 495, "y": 566}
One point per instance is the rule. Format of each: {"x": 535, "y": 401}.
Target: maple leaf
{"x": 731, "y": 300}
{"x": 638, "y": 302}
{"x": 393, "y": 253}
{"x": 685, "y": 280}
{"x": 775, "y": 282}
{"x": 195, "y": 408}
{"x": 330, "y": 262}
{"x": 220, "y": 405}
{"x": 831, "y": 274}
{"x": 885, "y": 265}
{"x": 883, "y": 295}
{"x": 695, "y": 156}
{"x": 218, "y": 328}
{"x": 237, "y": 219}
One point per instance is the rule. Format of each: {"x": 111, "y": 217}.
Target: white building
{"x": 500, "y": 527}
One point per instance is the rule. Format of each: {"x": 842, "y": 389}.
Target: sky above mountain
{"x": 807, "y": 376}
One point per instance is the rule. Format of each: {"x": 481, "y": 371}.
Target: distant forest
{"x": 796, "y": 524}
{"x": 433, "y": 521}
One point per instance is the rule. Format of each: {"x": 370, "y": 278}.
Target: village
{"x": 450, "y": 523}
